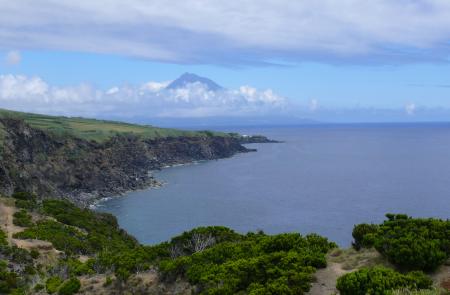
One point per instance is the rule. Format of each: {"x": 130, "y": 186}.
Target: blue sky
{"x": 324, "y": 60}
{"x": 336, "y": 85}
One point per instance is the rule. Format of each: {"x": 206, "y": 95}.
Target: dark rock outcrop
{"x": 256, "y": 139}
{"x": 65, "y": 166}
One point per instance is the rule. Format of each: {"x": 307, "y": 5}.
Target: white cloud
{"x": 410, "y": 109}
{"x": 154, "y": 86}
{"x": 151, "y": 99}
{"x": 13, "y": 58}
{"x": 313, "y": 105}
{"x": 233, "y": 31}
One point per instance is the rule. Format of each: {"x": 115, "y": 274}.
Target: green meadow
{"x": 96, "y": 130}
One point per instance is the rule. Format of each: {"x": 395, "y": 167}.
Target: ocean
{"x": 322, "y": 179}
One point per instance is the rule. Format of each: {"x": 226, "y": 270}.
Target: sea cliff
{"x": 64, "y": 165}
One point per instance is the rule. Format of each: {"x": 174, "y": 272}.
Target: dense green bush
{"x": 70, "y": 287}
{"x": 364, "y": 235}
{"x": 63, "y": 237}
{"x": 22, "y": 218}
{"x": 99, "y": 231}
{"x": 82, "y": 231}
{"x": 3, "y": 237}
{"x": 16, "y": 255}
{"x": 25, "y": 200}
{"x": 52, "y": 284}
{"x": 380, "y": 281}
{"x": 34, "y": 253}
{"x": 8, "y": 280}
{"x": 102, "y": 228}
{"x": 77, "y": 268}
{"x": 409, "y": 243}
{"x": 26, "y": 196}
{"x": 252, "y": 263}
{"x": 189, "y": 242}
{"x": 108, "y": 281}
{"x": 38, "y": 287}
{"x": 124, "y": 262}
{"x": 14, "y": 270}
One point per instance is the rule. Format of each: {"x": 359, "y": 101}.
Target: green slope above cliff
{"x": 97, "y": 130}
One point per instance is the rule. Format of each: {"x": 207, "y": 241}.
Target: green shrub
{"x": 18, "y": 291}
{"x": 124, "y": 262}
{"x": 38, "y": 287}
{"x": 34, "y": 253}
{"x": 52, "y": 284}
{"x": 211, "y": 235}
{"x": 3, "y": 240}
{"x": 98, "y": 232}
{"x": 415, "y": 244}
{"x": 24, "y": 204}
{"x": 8, "y": 280}
{"x": 63, "y": 237}
{"x": 380, "y": 281}
{"x": 108, "y": 281}
{"x": 16, "y": 255}
{"x": 102, "y": 228}
{"x": 24, "y": 196}
{"x": 364, "y": 235}
{"x": 25, "y": 200}
{"x": 22, "y": 218}
{"x": 70, "y": 287}
{"x": 252, "y": 263}
{"x": 75, "y": 267}
{"x": 409, "y": 243}
{"x": 29, "y": 270}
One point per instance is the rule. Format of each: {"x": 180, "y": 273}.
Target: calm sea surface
{"x": 322, "y": 179}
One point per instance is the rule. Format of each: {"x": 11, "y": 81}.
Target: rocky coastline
{"x": 54, "y": 165}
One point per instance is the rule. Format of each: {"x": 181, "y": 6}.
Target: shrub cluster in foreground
{"x": 409, "y": 243}
{"x": 255, "y": 263}
{"x": 381, "y": 280}
{"x": 217, "y": 260}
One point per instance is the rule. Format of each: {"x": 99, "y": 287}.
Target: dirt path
{"x": 340, "y": 262}
{"x": 326, "y": 279}
{"x": 441, "y": 277}
{"x": 6, "y": 221}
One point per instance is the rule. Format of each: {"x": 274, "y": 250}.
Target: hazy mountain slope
{"x": 188, "y": 78}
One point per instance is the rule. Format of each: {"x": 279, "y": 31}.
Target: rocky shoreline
{"x": 85, "y": 171}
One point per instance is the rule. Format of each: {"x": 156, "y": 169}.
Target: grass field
{"x": 97, "y": 130}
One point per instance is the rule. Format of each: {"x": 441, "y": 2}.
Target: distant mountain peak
{"x": 188, "y": 78}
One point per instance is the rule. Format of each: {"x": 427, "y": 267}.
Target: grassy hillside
{"x": 96, "y": 130}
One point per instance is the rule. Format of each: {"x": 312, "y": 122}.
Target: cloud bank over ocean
{"x": 151, "y": 99}
{"x": 188, "y": 103}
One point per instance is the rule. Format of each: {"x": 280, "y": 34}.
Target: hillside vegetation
{"x": 55, "y": 247}
{"x": 209, "y": 260}
{"x": 97, "y": 130}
